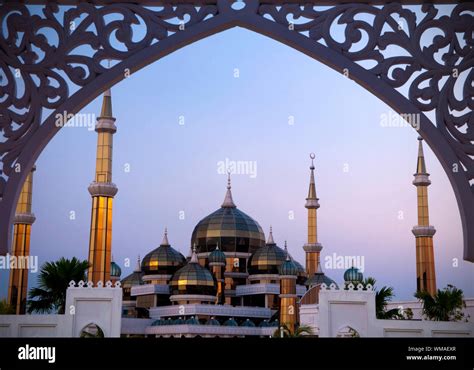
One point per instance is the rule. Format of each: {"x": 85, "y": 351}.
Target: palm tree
{"x": 445, "y": 305}
{"x": 92, "y": 331}
{"x": 300, "y": 331}
{"x": 6, "y": 308}
{"x": 382, "y": 298}
{"x": 53, "y": 281}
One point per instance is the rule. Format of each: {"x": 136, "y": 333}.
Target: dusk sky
{"x": 246, "y": 97}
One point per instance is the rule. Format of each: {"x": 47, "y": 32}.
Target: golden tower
{"x": 18, "y": 282}
{"x": 102, "y": 191}
{"x": 288, "y": 299}
{"x": 312, "y": 248}
{"x": 425, "y": 266}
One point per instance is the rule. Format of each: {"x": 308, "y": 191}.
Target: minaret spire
{"x": 286, "y": 252}
{"x": 22, "y": 223}
{"x": 228, "y": 201}
{"x": 312, "y": 199}
{"x": 102, "y": 190}
{"x": 194, "y": 258}
{"x": 106, "y": 111}
{"x": 270, "y": 237}
{"x": 312, "y": 247}
{"x": 420, "y": 164}
{"x": 425, "y": 265}
{"x": 138, "y": 268}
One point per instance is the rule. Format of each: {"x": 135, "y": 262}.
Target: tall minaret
{"x": 103, "y": 191}
{"x": 425, "y": 266}
{"x": 288, "y": 299}
{"x": 312, "y": 247}
{"x": 18, "y": 282}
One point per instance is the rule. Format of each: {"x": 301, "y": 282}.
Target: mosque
{"x": 235, "y": 280}
{"x": 233, "y": 276}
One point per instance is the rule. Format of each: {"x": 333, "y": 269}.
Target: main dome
{"x": 228, "y": 227}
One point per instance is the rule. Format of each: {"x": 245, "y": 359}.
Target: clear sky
{"x": 238, "y": 93}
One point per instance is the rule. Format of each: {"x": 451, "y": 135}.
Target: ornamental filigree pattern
{"x": 51, "y": 54}
{"x": 30, "y": 62}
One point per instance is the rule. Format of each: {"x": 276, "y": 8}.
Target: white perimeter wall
{"x": 341, "y": 309}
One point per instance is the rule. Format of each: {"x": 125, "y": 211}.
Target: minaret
{"x": 18, "y": 282}
{"x": 312, "y": 247}
{"x": 102, "y": 191}
{"x": 288, "y": 299}
{"x": 217, "y": 262}
{"x": 425, "y": 266}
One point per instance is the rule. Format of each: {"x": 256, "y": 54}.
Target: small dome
{"x": 213, "y": 321}
{"x": 319, "y": 278}
{"x": 267, "y": 259}
{"x": 230, "y": 322}
{"x": 159, "y": 322}
{"x": 192, "y": 321}
{"x": 288, "y": 268}
{"x": 115, "y": 270}
{"x": 248, "y": 323}
{"x": 179, "y": 321}
{"x": 274, "y": 323}
{"x": 135, "y": 278}
{"x": 264, "y": 324}
{"x": 353, "y": 275}
{"x": 193, "y": 279}
{"x": 163, "y": 260}
{"x": 217, "y": 256}
{"x": 170, "y": 321}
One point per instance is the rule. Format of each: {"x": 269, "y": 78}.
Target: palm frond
{"x": 6, "y": 308}
{"x": 445, "y": 305}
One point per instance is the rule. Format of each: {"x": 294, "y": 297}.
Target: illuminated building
{"x": 234, "y": 283}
